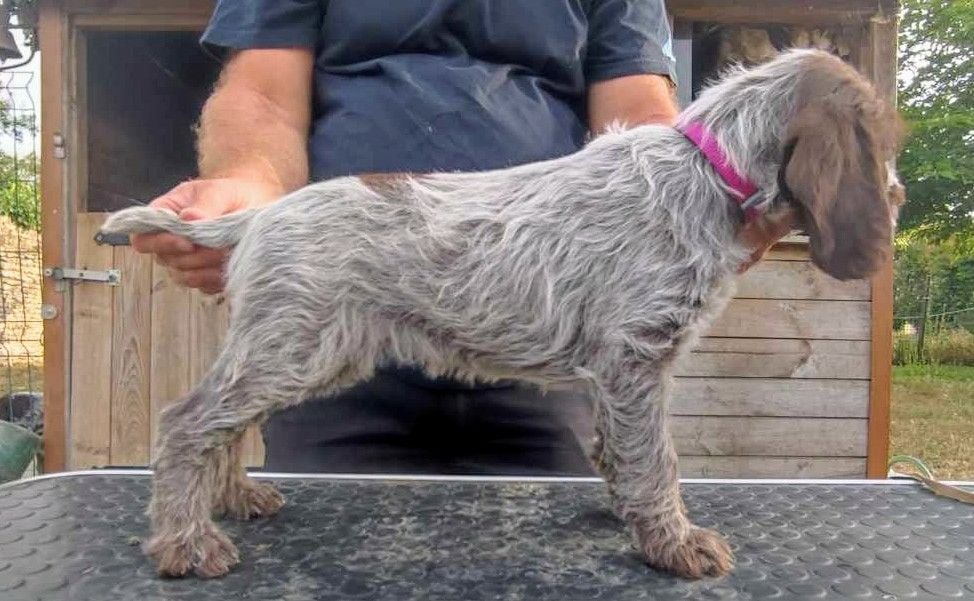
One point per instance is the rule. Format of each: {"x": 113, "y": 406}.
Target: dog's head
{"x": 837, "y": 166}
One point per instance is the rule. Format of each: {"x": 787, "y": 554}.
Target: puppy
{"x": 599, "y": 267}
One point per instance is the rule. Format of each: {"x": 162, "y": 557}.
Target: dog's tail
{"x": 214, "y": 233}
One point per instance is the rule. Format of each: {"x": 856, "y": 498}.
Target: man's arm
{"x": 255, "y": 124}
{"x": 629, "y": 64}
{"x": 252, "y": 145}
{"x": 632, "y": 100}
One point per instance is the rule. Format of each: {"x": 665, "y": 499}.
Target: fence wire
{"x": 21, "y": 325}
{"x": 934, "y": 307}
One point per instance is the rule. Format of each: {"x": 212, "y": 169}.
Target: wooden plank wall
{"x": 780, "y": 386}
{"x": 136, "y": 348}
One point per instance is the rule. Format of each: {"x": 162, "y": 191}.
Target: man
{"x": 314, "y": 89}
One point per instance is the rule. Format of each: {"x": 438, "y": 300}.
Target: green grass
{"x": 933, "y": 417}
{"x": 950, "y": 373}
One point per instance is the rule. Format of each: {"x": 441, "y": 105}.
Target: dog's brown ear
{"x": 834, "y": 170}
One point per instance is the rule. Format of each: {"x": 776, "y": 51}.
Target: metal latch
{"x": 112, "y": 277}
{"x": 111, "y": 239}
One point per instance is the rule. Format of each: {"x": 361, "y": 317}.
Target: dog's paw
{"x": 702, "y": 553}
{"x": 252, "y": 499}
{"x": 205, "y": 551}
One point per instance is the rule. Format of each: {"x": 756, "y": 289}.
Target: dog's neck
{"x": 742, "y": 190}
{"x": 747, "y": 114}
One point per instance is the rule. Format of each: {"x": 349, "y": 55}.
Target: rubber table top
{"x": 77, "y": 536}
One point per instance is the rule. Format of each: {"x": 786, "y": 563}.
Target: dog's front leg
{"x": 638, "y": 461}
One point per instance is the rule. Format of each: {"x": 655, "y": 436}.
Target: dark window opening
{"x": 145, "y": 90}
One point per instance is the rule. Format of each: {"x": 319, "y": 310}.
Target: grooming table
{"x": 76, "y": 536}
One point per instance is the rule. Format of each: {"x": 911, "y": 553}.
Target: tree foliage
{"x": 18, "y": 174}
{"x": 936, "y": 95}
{"x": 18, "y": 190}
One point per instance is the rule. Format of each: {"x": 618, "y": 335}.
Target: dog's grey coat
{"x": 598, "y": 267}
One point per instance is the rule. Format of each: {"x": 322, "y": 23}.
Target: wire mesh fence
{"x": 21, "y": 325}
{"x": 934, "y": 305}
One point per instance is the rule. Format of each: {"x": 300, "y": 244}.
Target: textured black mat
{"x": 76, "y": 537}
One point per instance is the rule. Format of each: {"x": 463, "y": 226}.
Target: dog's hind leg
{"x": 197, "y": 468}
{"x": 238, "y": 495}
{"x": 639, "y": 463}
{"x": 263, "y": 367}
{"x": 191, "y": 457}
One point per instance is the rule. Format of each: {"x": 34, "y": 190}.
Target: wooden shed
{"x": 793, "y": 381}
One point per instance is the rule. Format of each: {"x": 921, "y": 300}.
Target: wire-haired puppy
{"x": 597, "y": 267}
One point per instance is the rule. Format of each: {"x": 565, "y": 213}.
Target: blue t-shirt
{"x": 446, "y": 85}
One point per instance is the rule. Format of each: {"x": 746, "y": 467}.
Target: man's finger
{"x": 201, "y": 258}
{"x": 178, "y": 198}
{"x": 206, "y": 280}
{"x": 210, "y": 205}
{"x": 216, "y": 288}
{"x": 163, "y": 243}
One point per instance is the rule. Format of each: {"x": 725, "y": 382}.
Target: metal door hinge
{"x": 112, "y": 277}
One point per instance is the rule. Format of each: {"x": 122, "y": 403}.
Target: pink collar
{"x": 744, "y": 191}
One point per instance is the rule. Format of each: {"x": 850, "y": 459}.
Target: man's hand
{"x": 189, "y": 264}
{"x": 252, "y": 142}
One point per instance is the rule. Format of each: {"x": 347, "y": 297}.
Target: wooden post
{"x": 878, "y": 59}
{"x": 924, "y": 315}
{"x": 53, "y": 221}
{"x": 683, "y": 52}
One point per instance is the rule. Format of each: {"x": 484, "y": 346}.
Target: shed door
{"x": 139, "y": 345}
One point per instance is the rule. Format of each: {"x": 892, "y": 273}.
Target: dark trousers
{"x": 402, "y": 423}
